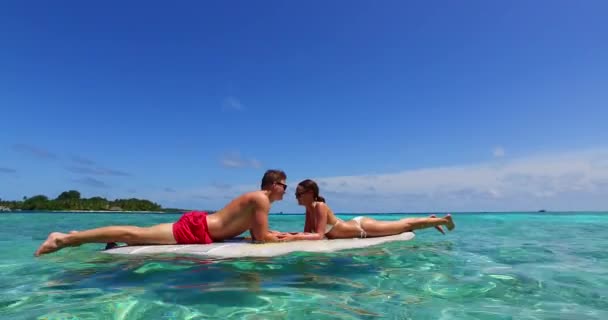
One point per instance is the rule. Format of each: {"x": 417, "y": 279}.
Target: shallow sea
{"x": 493, "y": 266}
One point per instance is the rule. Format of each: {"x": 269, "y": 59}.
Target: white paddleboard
{"x": 243, "y": 248}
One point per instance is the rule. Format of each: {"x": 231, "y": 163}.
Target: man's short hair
{"x": 272, "y": 176}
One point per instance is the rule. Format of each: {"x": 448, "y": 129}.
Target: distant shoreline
{"x": 91, "y": 211}
{"x": 106, "y": 211}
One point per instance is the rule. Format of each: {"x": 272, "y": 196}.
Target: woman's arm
{"x": 306, "y": 227}
{"x": 301, "y": 236}
{"x": 308, "y": 223}
{"x": 320, "y": 213}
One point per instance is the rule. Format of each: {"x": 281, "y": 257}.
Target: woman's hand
{"x": 277, "y": 233}
{"x": 299, "y": 236}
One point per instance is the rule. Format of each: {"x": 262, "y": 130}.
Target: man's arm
{"x": 259, "y": 227}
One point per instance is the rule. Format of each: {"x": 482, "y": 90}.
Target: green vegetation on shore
{"x": 71, "y": 201}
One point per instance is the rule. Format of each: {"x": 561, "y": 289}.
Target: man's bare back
{"x": 239, "y": 216}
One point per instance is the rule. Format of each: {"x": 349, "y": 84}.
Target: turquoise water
{"x": 493, "y": 266}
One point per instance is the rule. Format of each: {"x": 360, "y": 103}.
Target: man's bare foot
{"x": 52, "y": 244}
{"x": 73, "y": 231}
{"x": 439, "y": 228}
{"x": 450, "y": 225}
{"x": 111, "y": 245}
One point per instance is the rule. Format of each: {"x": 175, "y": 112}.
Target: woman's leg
{"x": 158, "y": 234}
{"x": 375, "y": 228}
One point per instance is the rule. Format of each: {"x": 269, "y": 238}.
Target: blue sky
{"x": 391, "y": 106}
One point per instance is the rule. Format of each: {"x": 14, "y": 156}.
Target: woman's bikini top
{"x": 328, "y": 226}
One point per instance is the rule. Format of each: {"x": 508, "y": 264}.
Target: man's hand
{"x": 277, "y": 233}
{"x": 285, "y": 236}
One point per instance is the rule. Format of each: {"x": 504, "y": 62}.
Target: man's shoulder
{"x": 254, "y": 196}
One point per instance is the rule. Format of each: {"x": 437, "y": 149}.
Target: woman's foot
{"x": 450, "y": 225}
{"x": 52, "y": 244}
{"x": 439, "y": 228}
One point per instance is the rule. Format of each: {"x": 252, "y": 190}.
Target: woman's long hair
{"x": 311, "y": 185}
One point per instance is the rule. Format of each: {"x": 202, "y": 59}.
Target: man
{"x": 248, "y": 211}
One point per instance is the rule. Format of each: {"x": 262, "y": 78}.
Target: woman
{"x": 321, "y": 222}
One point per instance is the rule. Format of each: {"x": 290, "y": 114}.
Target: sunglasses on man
{"x": 282, "y": 185}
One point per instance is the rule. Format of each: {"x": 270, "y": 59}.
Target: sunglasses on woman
{"x": 299, "y": 194}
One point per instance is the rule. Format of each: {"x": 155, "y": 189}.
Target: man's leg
{"x": 158, "y": 234}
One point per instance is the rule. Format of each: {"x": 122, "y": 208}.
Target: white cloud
{"x": 92, "y": 182}
{"x": 255, "y": 163}
{"x": 212, "y": 197}
{"x": 499, "y": 152}
{"x": 98, "y": 171}
{"x": 565, "y": 181}
{"x": 232, "y": 103}
{"x": 232, "y": 163}
{"x": 34, "y": 151}
{"x": 83, "y": 161}
{"x": 521, "y": 184}
{"x": 7, "y": 170}
{"x": 235, "y": 160}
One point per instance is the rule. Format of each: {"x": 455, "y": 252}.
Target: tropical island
{"x": 72, "y": 201}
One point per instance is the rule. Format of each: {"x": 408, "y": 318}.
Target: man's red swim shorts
{"x": 192, "y": 228}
